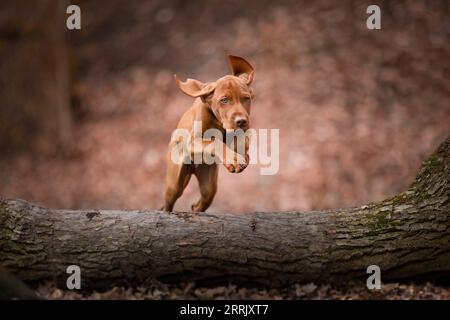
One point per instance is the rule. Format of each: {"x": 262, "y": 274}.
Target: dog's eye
{"x": 246, "y": 99}
{"x": 225, "y": 100}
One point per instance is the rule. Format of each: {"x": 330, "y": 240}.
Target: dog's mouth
{"x": 235, "y": 128}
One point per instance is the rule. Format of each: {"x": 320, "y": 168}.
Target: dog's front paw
{"x": 239, "y": 164}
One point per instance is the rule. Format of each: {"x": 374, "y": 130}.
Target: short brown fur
{"x": 224, "y": 105}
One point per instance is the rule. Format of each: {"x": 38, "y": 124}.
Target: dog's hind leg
{"x": 177, "y": 179}
{"x": 207, "y": 180}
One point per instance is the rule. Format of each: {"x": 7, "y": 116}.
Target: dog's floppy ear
{"x": 195, "y": 88}
{"x": 241, "y": 68}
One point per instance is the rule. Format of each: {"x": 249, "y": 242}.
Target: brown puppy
{"x": 223, "y": 105}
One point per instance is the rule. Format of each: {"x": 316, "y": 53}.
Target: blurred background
{"x": 86, "y": 115}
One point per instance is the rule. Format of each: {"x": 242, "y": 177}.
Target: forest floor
{"x": 391, "y": 291}
{"x": 357, "y": 111}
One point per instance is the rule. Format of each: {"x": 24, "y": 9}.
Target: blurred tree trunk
{"x": 407, "y": 236}
{"x": 34, "y": 89}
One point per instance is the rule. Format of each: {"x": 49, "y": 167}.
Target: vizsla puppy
{"x": 223, "y": 105}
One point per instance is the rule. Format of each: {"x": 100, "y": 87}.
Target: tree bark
{"x": 407, "y": 236}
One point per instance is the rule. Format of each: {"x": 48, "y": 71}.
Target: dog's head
{"x": 230, "y": 97}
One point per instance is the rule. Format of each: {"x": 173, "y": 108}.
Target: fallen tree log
{"x": 407, "y": 236}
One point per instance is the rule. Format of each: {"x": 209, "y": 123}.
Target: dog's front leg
{"x": 232, "y": 160}
{"x": 207, "y": 151}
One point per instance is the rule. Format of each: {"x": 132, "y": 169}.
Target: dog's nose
{"x": 241, "y": 122}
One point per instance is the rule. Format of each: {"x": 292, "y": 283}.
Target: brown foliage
{"x": 358, "y": 110}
